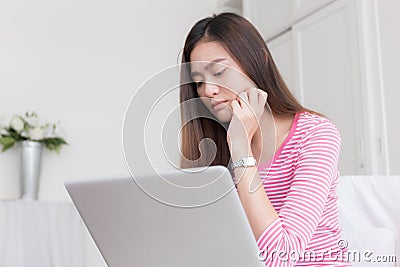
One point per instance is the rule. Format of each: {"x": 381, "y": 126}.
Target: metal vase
{"x": 31, "y": 155}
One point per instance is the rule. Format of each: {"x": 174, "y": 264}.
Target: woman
{"x": 294, "y": 215}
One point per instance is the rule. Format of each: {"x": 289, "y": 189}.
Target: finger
{"x": 262, "y": 96}
{"x": 243, "y": 99}
{"x": 253, "y": 96}
{"x": 235, "y": 106}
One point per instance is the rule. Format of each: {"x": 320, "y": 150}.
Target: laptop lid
{"x": 182, "y": 218}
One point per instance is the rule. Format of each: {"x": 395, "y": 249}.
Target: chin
{"x": 223, "y": 116}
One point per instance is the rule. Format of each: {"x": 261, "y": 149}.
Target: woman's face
{"x": 218, "y": 78}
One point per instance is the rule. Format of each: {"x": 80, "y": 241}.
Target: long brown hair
{"x": 246, "y": 46}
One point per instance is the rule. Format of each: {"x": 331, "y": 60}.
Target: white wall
{"x": 389, "y": 24}
{"x": 80, "y": 62}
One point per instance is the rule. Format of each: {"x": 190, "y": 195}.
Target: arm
{"x": 247, "y": 112}
{"x": 253, "y": 197}
{"x": 304, "y": 203}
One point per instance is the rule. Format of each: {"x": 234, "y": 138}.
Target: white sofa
{"x": 369, "y": 214}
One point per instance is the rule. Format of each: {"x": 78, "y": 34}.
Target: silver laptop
{"x": 189, "y": 217}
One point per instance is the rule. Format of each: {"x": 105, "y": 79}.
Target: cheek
{"x": 235, "y": 83}
{"x": 232, "y": 95}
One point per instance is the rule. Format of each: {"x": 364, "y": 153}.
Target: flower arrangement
{"x": 29, "y": 128}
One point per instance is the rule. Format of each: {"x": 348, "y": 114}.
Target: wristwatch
{"x": 248, "y": 161}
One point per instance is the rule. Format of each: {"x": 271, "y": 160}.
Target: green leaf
{"x": 55, "y": 143}
{"x": 7, "y": 142}
{"x": 15, "y": 135}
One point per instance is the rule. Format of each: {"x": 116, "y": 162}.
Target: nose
{"x": 211, "y": 89}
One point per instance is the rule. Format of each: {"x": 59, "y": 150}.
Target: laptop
{"x": 190, "y": 217}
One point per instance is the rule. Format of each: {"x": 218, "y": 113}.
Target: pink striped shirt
{"x": 300, "y": 182}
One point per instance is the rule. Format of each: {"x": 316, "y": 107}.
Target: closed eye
{"x": 198, "y": 84}
{"x": 219, "y": 73}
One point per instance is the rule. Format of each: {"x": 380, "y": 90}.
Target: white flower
{"x": 36, "y": 133}
{"x": 53, "y": 131}
{"x": 17, "y": 124}
{"x": 33, "y": 122}
{"x": 48, "y": 133}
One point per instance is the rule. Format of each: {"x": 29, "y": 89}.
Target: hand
{"x": 247, "y": 109}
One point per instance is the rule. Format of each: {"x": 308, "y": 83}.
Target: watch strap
{"x": 248, "y": 161}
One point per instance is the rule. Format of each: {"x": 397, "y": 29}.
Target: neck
{"x": 263, "y": 139}
{"x": 270, "y": 136}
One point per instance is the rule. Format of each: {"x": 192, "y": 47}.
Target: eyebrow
{"x": 193, "y": 73}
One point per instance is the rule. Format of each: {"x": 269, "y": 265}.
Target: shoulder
{"x": 309, "y": 123}
{"x": 315, "y": 127}
{"x": 319, "y": 146}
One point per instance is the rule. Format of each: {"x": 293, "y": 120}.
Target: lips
{"x": 218, "y": 104}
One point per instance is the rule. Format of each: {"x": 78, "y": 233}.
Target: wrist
{"x": 239, "y": 151}
{"x": 246, "y": 161}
